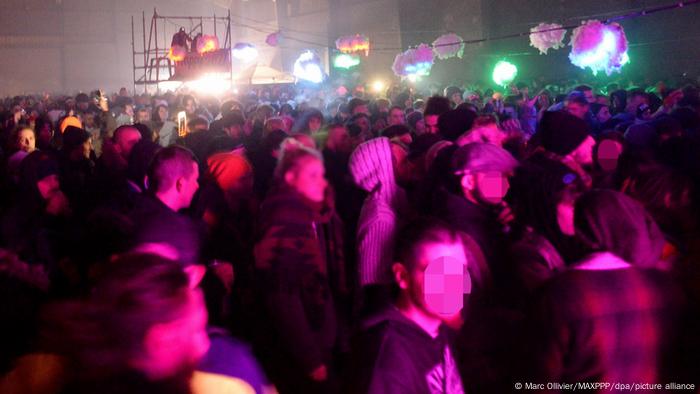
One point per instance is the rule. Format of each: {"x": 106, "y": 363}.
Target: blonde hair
{"x": 292, "y": 152}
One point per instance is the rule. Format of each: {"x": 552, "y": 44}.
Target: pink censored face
{"x": 445, "y": 283}
{"x": 493, "y": 186}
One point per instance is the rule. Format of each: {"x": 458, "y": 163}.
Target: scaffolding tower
{"x": 151, "y": 65}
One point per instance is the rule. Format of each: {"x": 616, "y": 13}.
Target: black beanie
{"x": 73, "y": 137}
{"x": 456, "y": 122}
{"x": 562, "y": 132}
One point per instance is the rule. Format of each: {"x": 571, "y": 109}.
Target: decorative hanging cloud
{"x": 308, "y": 67}
{"x": 207, "y": 43}
{"x": 244, "y": 51}
{"x": 599, "y": 47}
{"x": 414, "y": 62}
{"x": 353, "y": 44}
{"x": 272, "y": 39}
{"x": 448, "y": 45}
{"x": 546, "y": 36}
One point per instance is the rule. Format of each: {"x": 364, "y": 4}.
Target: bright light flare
{"x": 245, "y": 52}
{"x": 308, "y": 68}
{"x": 345, "y": 61}
{"x": 378, "y": 86}
{"x": 214, "y": 84}
{"x": 504, "y": 73}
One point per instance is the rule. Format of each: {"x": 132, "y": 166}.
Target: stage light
{"x": 345, "y": 61}
{"x": 207, "y": 43}
{"x": 214, "y": 84}
{"x": 504, "y": 73}
{"x": 378, "y": 86}
{"x": 245, "y": 52}
{"x": 308, "y": 68}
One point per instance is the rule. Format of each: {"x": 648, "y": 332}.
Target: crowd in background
{"x": 319, "y": 240}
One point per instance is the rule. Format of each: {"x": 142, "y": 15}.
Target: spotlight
{"x": 504, "y": 73}
{"x": 378, "y": 86}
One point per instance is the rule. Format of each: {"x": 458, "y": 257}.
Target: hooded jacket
{"x": 394, "y": 355}
{"x": 372, "y": 170}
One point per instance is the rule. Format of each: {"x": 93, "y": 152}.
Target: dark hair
{"x": 197, "y": 121}
{"x": 418, "y": 232}
{"x": 396, "y": 130}
{"x": 583, "y": 88}
{"x": 169, "y": 164}
{"x": 437, "y": 105}
{"x": 102, "y": 333}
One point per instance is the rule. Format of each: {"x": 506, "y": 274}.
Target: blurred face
{"x": 361, "y": 109}
{"x": 491, "y": 187}
{"x": 314, "y": 124}
{"x": 189, "y": 106}
{"x": 48, "y": 187}
{"x": 603, "y": 115}
{"x": 577, "y": 109}
{"x": 26, "y": 141}
{"x": 363, "y": 122}
{"x": 45, "y": 135}
{"x": 178, "y": 345}
{"x": 431, "y": 124}
{"x": 583, "y": 154}
{"x": 590, "y": 97}
{"x": 396, "y": 116}
{"x": 420, "y": 127}
{"x": 126, "y": 141}
{"x": 143, "y": 116}
{"x": 456, "y": 98}
{"x": 308, "y": 178}
{"x": 87, "y": 148}
{"x": 339, "y": 140}
{"x": 89, "y": 120}
{"x": 439, "y": 280}
{"x": 163, "y": 113}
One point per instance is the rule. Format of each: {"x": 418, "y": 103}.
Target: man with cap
{"x": 565, "y": 139}
{"x": 475, "y": 204}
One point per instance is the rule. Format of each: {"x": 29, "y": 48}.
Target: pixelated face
{"x": 492, "y": 186}
{"x": 441, "y": 279}
{"x": 608, "y": 153}
{"x": 431, "y": 124}
{"x": 309, "y": 179}
{"x": 396, "y": 116}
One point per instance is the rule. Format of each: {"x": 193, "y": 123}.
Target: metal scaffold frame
{"x": 151, "y": 65}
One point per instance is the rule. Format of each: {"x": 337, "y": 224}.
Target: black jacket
{"x": 394, "y": 355}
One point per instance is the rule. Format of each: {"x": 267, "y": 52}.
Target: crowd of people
{"x": 320, "y": 241}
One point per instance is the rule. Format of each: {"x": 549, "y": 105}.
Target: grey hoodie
{"x": 371, "y": 168}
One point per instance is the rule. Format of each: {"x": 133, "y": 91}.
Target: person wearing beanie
{"x": 475, "y": 202}
{"x": 372, "y": 171}
{"x": 565, "y": 138}
{"x": 78, "y": 169}
{"x": 454, "y": 94}
{"x": 70, "y": 121}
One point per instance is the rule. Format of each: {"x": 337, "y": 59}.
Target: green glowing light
{"x": 345, "y": 61}
{"x": 504, "y": 73}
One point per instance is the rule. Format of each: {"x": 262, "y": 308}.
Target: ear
{"x": 179, "y": 183}
{"x": 400, "y": 275}
{"x": 195, "y": 273}
{"x": 468, "y": 182}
